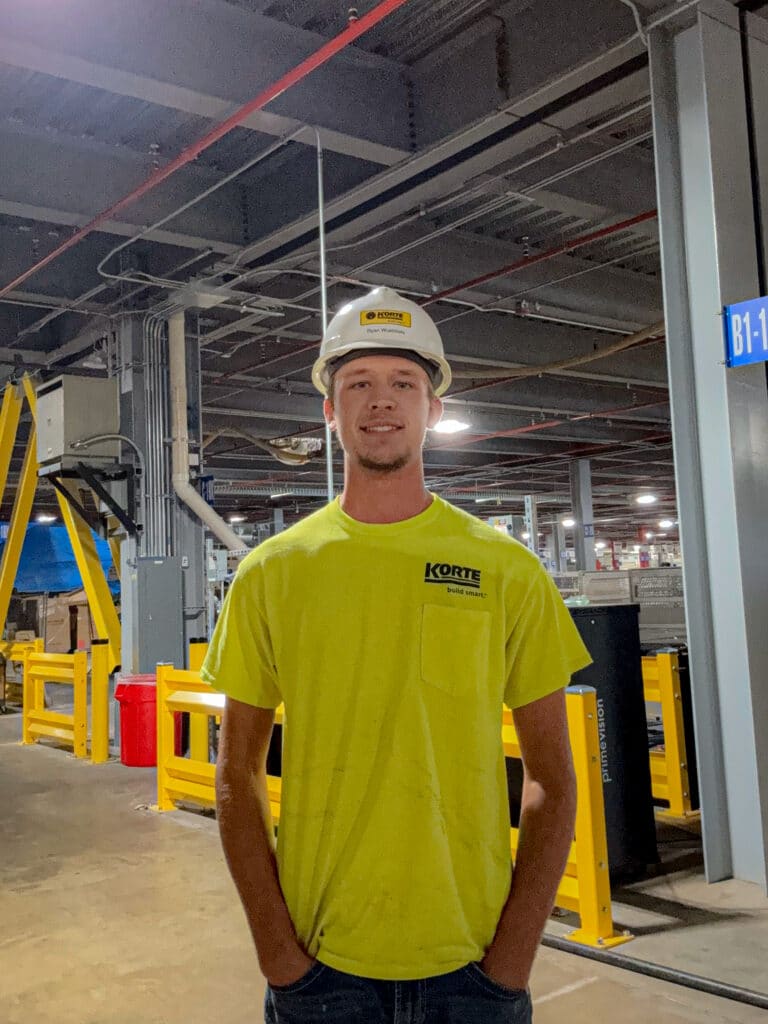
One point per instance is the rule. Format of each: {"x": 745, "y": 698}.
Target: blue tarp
{"x": 48, "y": 565}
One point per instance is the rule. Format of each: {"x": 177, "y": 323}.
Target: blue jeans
{"x": 466, "y": 996}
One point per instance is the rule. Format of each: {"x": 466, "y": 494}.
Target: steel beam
{"x": 584, "y": 530}
{"x": 204, "y": 59}
{"x": 720, "y": 423}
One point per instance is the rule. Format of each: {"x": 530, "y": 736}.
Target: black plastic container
{"x": 612, "y": 636}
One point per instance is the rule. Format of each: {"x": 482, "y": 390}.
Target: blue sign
{"x": 746, "y": 332}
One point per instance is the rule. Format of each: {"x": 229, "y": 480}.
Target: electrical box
{"x": 70, "y": 409}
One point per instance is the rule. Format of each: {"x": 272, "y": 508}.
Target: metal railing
{"x": 585, "y": 886}
{"x": 68, "y": 727}
{"x": 669, "y": 767}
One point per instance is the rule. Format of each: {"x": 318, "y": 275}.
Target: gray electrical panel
{"x": 153, "y": 614}
{"x": 70, "y": 409}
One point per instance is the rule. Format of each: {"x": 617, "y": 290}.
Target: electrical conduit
{"x": 180, "y": 458}
{"x": 353, "y": 31}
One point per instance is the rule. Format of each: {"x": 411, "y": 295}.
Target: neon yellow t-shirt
{"x": 393, "y": 647}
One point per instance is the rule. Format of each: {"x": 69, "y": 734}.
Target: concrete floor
{"x": 112, "y": 914}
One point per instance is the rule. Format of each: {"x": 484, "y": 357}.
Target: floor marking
{"x": 566, "y": 990}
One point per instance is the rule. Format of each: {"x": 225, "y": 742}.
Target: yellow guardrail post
{"x": 199, "y": 725}
{"x": 80, "y": 687}
{"x": 165, "y": 738}
{"x": 29, "y": 701}
{"x": 99, "y": 701}
{"x": 591, "y": 843}
{"x": 669, "y": 769}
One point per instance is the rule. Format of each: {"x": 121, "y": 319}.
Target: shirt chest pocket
{"x": 455, "y": 648}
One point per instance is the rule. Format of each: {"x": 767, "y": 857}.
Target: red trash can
{"x": 137, "y": 697}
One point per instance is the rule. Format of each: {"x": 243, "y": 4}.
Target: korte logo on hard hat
{"x": 385, "y": 316}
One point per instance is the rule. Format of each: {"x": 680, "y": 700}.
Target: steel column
{"x": 720, "y": 422}
{"x": 584, "y": 530}
{"x": 531, "y": 523}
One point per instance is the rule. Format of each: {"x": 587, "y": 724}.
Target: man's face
{"x": 381, "y": 409}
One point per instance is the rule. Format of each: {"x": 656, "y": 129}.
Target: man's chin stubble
{"x": 382, "y": 467}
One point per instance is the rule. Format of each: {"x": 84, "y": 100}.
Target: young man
{"x": 392, "y": 626}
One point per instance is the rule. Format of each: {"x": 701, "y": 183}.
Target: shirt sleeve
{"x": 240, "y": 660}
{"x": 544, "y": 647}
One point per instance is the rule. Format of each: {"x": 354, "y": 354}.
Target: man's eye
{"x": 404, "y": 384}
{"x": 360, "y": 384}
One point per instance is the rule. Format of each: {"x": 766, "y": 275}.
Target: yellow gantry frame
{"x": 95, "y": 584}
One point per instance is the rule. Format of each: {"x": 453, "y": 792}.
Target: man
{"x": 392, "y": 626}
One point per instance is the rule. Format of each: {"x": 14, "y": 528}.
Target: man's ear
{"x": 328, "y": 412}
{"x": 435, "y": 412}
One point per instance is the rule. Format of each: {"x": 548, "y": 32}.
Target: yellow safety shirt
{"x": 392, "y": 647}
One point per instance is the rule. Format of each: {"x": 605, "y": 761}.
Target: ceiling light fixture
{"x": 646, "y": 499}
{"x": 44, "y": 518}
{"x": 569, "y": 523}
{"x": 525, "y": 536}
{"x": 450, "y": 427}
{"x": 237, "y": 519}
{"x": 666, "y": 524}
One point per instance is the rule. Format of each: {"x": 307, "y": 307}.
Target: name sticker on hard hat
{"x": 385, "y": 316}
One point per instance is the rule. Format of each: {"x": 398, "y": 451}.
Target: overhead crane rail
{"x": 585, "y": 887}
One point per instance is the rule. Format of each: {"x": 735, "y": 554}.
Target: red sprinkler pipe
{"x": 354, "y": 30}
{"x": 529, "y": 261}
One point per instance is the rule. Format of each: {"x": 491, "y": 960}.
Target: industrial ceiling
{"x": 493, "y": 159}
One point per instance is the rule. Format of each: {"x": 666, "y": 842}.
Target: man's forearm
{"x": 245, "y": 825}
{"x": 546, "y": 832}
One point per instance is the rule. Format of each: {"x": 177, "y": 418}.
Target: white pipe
{"x": 180, "y": 461}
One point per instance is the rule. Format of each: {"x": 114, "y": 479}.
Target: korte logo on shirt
{"x": 446, "y": 572}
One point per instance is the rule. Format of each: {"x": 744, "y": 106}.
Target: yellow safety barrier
{"x": 669, "y": 767}
{"x": 71, "y": 729}
{"x": 16, "y": 651}
{"x": 585, "y": 886}
{"x": 190, "y": 779}
{"x": 199, "y": 725}
{"x": 37, "y": 722}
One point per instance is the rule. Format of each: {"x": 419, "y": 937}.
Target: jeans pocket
{"x": 303, "y": 982}
{"x": 478, "y": 975}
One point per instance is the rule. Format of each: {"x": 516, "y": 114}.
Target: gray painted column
{"x": 188, "y": 532}
{"x": 278, "y": 521}
{"x": 561, "y": 549}
{"x": 531, "y": 523}
{"x": 133, "y": 425}
{"x": 584, "y": 530}
{"x": 720, "y": 422}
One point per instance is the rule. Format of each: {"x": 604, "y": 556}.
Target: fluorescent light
{"x": 666, "y": 524}
{"x": 646, "y": 499}
{"x": 479, "y": 501}
{"x": 661, "y": 535}
{"x": 525, "y": 536}
{"x": 649, "y": 535}
{"x": 569, "y": 523}
{"x": 450, "y": 427}
{"x": 600, "y": 545}
{"x": 237, "y": 519}
{"x": 43, "y": 518}
{"x": 282, "y": 494}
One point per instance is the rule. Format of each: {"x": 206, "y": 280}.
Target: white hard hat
{"x": 382, "y": 320}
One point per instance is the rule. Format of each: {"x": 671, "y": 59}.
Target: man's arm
{"x": 247, "y": 835}
{"x": 547, "y": 817}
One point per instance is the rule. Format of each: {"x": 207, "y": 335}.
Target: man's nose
{"x": 382, "y": 400}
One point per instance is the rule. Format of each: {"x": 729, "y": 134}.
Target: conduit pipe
{"x": 353, "y": 31}
{"x": 548, "y": 254}
{"x": 180, "y": 459}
